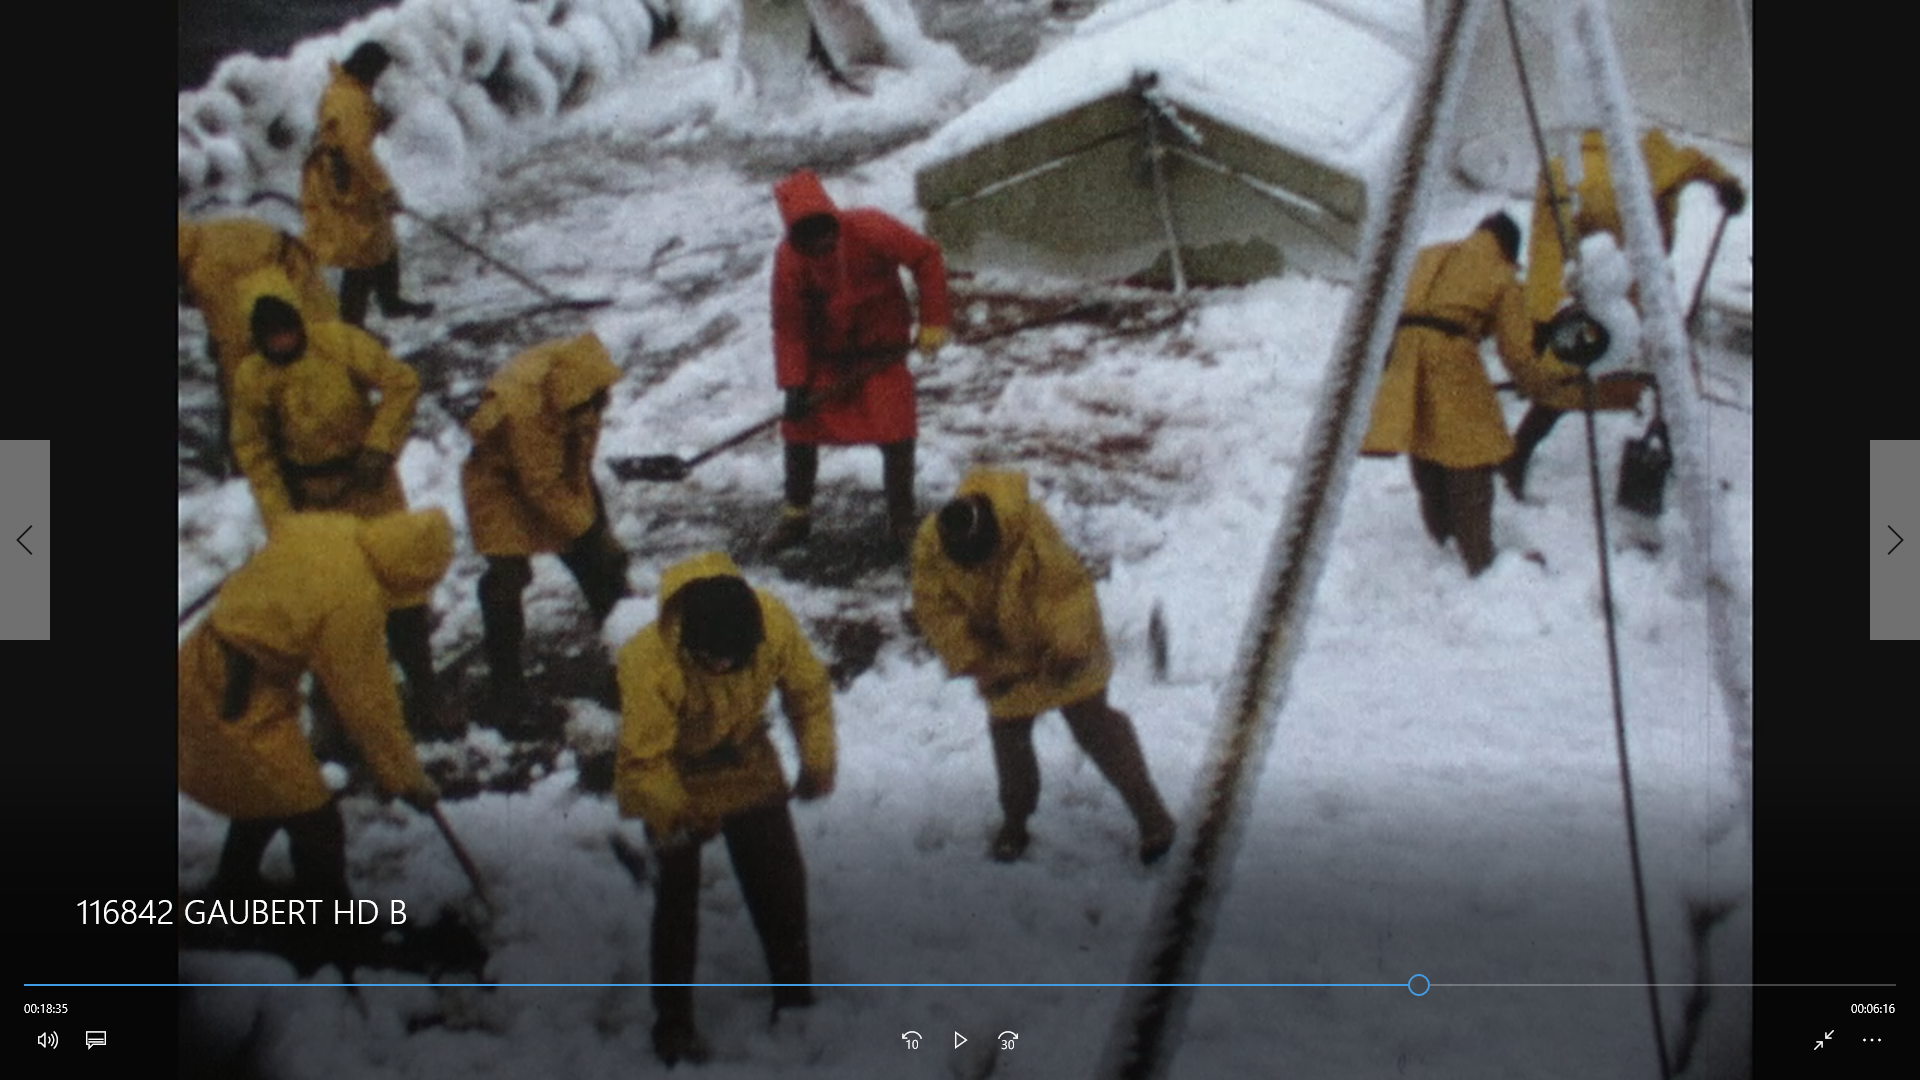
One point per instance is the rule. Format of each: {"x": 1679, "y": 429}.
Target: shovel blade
{"x": 656, "y": 467}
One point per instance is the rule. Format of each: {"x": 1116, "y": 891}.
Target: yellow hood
{"x": 580, "y": 369}
{"x": 680, "y": 575}
{"x": 409, "y": 553}
{"x": 268, "y": 281}
{"x": 1006, "y": 492}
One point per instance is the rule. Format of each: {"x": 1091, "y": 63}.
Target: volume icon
{"x": 49, "y": 1040}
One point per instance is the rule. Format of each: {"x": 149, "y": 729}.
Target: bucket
{"x": 1645, "y": 463}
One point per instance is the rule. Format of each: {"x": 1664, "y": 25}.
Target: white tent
{"x": 1245, "y": 136}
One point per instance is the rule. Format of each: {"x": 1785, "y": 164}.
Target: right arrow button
{"x": 1898, "y": 539}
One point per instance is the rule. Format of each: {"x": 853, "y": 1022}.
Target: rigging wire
{"x": 1606, "y": 572}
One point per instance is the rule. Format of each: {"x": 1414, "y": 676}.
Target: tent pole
{"x": 1154, "y": 153}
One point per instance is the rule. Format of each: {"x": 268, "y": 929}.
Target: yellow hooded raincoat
{"x": 350, "y": 226}
{"x": 315, "y": 599}
{"x": 528, "y": 483}
{"x": 694, "y": 747}
{"x": 216, "y": 255}
{"x": 1435, "y": 401}
{"x": 1594, "y": 208}
{"x": 1025, "y": 625}
{"x": 316, "y": 413}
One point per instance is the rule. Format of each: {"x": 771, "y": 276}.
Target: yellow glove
{"x": 931, "y": 339}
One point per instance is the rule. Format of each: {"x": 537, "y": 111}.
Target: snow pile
{"x": 462, "y": 70}
{"x": 1290, "y": 72}
{"x": 1602, "y": 280}
{"x": 471, "y": 78}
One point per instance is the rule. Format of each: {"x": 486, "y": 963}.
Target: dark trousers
{"x": 896, "y": 471}
{"x": 1105, "y": 734}
{"x": 597, "y": 562}
{"x": 1534, "y": 428}
{"x": 1457, "y": 503}
{"x": 773, "y": 879}
{"x": 358, "y": 286}
{"x": 319, "y": 848}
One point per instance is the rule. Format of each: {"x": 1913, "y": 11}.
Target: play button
{"x": 958, "y": 1039}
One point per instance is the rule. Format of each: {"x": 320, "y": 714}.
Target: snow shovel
{"x": 1693, "y": 319}
{"x": 1700, "y": 287}
{"x": 668, "y": 468}
{"x": 476, "y": 250}
{"x": 549, "y": 295}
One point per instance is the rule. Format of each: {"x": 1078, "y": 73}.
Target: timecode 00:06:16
{"x": 125, "y": 912}
{"x": 1877, "y": 1007}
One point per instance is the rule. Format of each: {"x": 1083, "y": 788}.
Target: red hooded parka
{"x": 839, "y": 312}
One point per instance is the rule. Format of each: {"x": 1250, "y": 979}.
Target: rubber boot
{"x": 599, "y": 565}
{"x": 386, "y": 283}
{"x": 503, "y": 624}
{"x": 1470, "y": 495}
{"x": 1018, "y": 771}
{"x": 792, "y": 530}
{"x": 676, "y": 1040}
{"x": 409, "y": 640}
{"x": 1430, "y": 481}
{"x": 903, "y": 518}
{"x": 356, "y": 290}
{"x": 1533, "y": 430}
{"x": 672, "y": 953}
{"x": 796, "y": 517}
{"x": 773, "y": 881}
{"x": 238, "y": 874}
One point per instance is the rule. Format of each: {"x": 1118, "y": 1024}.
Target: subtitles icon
{"x": 96, "y": 1038}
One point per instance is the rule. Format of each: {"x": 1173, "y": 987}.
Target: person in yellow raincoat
{"x": 1004, "y": 601}
{"x": 345, "y": 193}
{"x": 309, "y": 435}
{"x": 1435, "y": 403}
{"x": 1588, "y": 208}
{"x": 695, "y": 760}
{"x": 314, "y": 599}
{"x": 215, "y": 256}
{"x": 529, "y": 489}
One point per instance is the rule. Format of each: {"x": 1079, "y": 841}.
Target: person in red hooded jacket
{"x": 842, "y": 328}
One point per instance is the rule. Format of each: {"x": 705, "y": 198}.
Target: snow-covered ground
{"x": 1442, "y": 796}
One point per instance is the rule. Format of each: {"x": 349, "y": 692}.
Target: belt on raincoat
{"x": 724, "y": 756}
{"x": 340, "y": 466}
{"x": 1429, "y": 322}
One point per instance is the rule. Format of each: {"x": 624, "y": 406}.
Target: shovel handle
{"x": 667, "y": 468}
{"x": 1700, "y": 286}
{"x": 460, "y": 854}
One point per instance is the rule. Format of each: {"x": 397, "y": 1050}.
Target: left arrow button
{"x": 23, "y": 543}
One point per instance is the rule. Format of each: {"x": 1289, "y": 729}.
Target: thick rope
{"x": 1147, "y": 1028}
